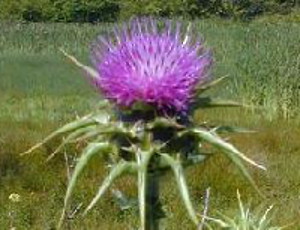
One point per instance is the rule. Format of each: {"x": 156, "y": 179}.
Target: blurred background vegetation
{"x": 112, "y": 10}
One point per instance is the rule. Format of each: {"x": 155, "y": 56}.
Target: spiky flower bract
{"x": 157, "y": 63}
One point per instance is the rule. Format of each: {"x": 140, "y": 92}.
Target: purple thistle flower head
{"x": 154, "y": 62}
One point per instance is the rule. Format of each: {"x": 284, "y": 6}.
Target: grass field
{"x": 40, "y": 90}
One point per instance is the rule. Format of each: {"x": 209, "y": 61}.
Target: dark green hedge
{"x": 111, "y": 10}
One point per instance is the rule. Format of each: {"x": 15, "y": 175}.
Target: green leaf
{"x": 116, "y": 171}
{"x": 87, "y": 69}
{"x": 108, "y": 130}
{"x": 230, "y": 151}
{"x": 207, "y": 102}
{"x": 162, "y": 122}
{"x": 191, "y": 160}
{"x": 202, "y": 88}
{"x": 194, "y": 159}
{"x": 95, "y": 132}
{"x": 90, "y": 151}
{"x": 143, "y": 159}
{"x": 102, "y": 118}
{"x": 123, "y": 201}
{"x": 70, "y": 127}
{"x": 227, "y": 223}
{"x": 241, "y": 206}
{"x": 226, "y": 147}
{"x": 70, "y": 138}
{"x": 264, "y": 221}
{"x": 231, "y": 129}
{"x": 180, "y": 179}
{"x": 140, "y": 106}
{"x": 104, "y": 105}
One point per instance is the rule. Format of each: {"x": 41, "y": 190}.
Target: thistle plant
{"x": 152, "y": 75}
{"x": 247, "y": 219}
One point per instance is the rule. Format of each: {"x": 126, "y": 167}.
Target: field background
{"x": 40, "y": 91}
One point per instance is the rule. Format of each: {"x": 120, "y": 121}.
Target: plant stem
{"x": 153, "y": 207}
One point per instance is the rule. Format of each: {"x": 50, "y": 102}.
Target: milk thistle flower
{"x": 141, "y": 62}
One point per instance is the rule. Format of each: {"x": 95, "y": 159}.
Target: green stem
{"x": 142, "y": 176}
{"x": 152, "y": 201}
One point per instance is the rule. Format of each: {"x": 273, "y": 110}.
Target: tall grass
{"x": 263, "y": 62}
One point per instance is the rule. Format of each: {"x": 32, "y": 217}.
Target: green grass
{"x": 40, "y": 90}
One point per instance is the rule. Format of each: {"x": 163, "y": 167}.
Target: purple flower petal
{"x": 144, "y": 62}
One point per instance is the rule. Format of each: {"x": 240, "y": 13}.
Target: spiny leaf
{"x": 70, "y": 138}
{"x": 264, "y": 221}
{"x": 89, "y": 135}
{"x": 89, "y": 70}
{"x": 230, "y": 129}
{"x": 115, "y": 172}
{"x": 91, "y": 150}
{"x": 70, "y": 127}
{"x": 207, "y": 102}
{"x": 104, "y": 104}
{"x": 164, "y": 123}
{"x": 123, "y": 201}
{"x": 102, "y": 117}
{"x": 224, "y": 146}
{"x": 92, "y": 119}
{"x": 110, "y": 130}
{"x": 230, "y": 151}
{"x": 140, "y": 106}
{"x": 195, "y": 159}
{"x": 191, "y": 160}
{"x": 226, "y": 223}
{"x": 209, "y": 85}
{"x": 241, "y": 206}
{"x": 179, "y": 175}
